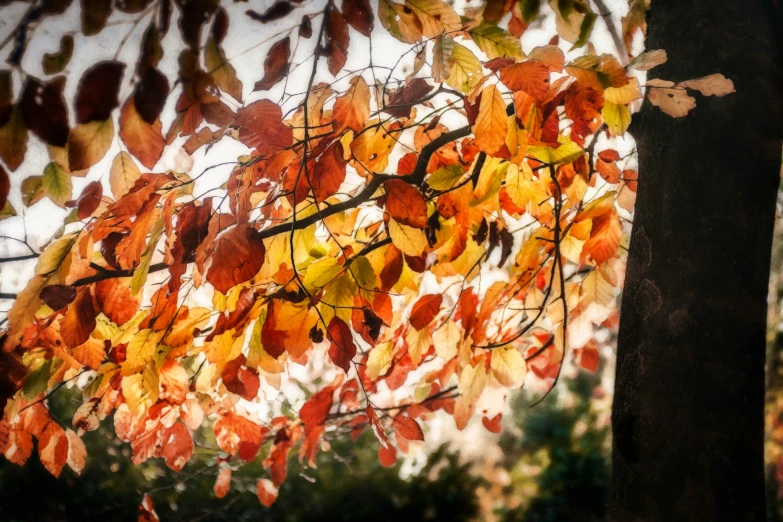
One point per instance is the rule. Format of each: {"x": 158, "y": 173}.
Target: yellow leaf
{"x": 380, "y": 359}
{"x": 57, "y": 185}
{"x": 419, "y": 341}
{"x": 472, "y": 381}
{"x": 140, "y": 275}
{"x": 222, "y": 71}
{"x": 88, "y": 143}
{"x": 409, "y": 240}
{"x": 596, "y": 289}
{"x": 436, "y": 16}
{"x": 466, "y": 71}
{"x": 123, "y": 174}
{"x": 141, "y": 390}
{"x": 51, "y": 258}
{"x": 625, "y": 94}
{"x": 141, "y": 349}
{"x": 617, "y": 117}
{"x": 338, "y": 299}
{"x": 321, "y": 273}
{"x": 508, "y": 366}
{"x": 495, "y": 42}
{"x": 26, "y": 305}
{"x": 401, "y": 23}
{"x": 492, "y": 122}
{"x": 446, "y": 339}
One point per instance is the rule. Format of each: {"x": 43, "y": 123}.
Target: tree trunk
{"x": 688, "y": 414}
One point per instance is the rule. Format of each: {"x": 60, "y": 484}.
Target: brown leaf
{"x": 13, "y": 139}
{"x": 238, "y": 257}
{"x": 89, "y": 200}
{"x": 150, "y": 95}
{"x": 44, "y": 112}
{"x": 58, "y": 296}
{"x": 425, "y": 310}
{"x": 306, "y": 27}
{"x": 337, "y": 39}
{"x": 405, "y": 204}
{"x": 278, "y": 10}
{"x": 97, "y": 94}
{"x": 261, "y": 127}
{"x": 358, "y": 14}
{"x": 275, "y": 65}
{"x": 241, "y": 380}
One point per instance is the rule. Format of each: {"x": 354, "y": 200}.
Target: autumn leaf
{"x": 342, "y": 348}
{"x": 337, "y": 39}
{"x": 351, "y": 110}
{"x": 144, "y": 140}
{"x": 359, "y": 15}
{"x": 261, "y": 127}
{"x": 275, "y": 65}
{"x": 491, "y": 124}
{"x": 405, "y": 204}
{"x": 425, "y": 310}
{"x": 88, "y": 143}
{"x": 238, "y": 256}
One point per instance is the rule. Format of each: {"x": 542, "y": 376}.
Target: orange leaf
{"x": 144, "y": 140}
{"x": 222, "y": 483}
{"x": 352, "y": 109}
{"x": 177, "y": 447}
{"x": 238, "y": 434}
{"x": 531, "y": 77}
{"x": 315, "y": 410}
{"x": 405, "y": 204}
{"x": 425, "y": 310}
{"x": 267, "y": 492}
{"x": 407, "y": 428}
{"x": 53, "y": 448}
{"x": 491, "y": 123}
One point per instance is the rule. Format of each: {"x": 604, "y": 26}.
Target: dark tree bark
{"x": 688, "y": 416}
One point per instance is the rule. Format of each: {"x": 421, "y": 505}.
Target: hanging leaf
{"x": 276, "y": 65}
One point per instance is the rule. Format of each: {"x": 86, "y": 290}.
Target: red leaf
{"x": 315, "y": 410}
{"x": 79, "y": 320}
{"x": 387, "y": 456}
{"x": 242, "y": 381}
{"x": 405, "y": 204}
{"x": 425, "y": 310}
{"x": 177, "y": 447}
{"x": 329, "y": 172}
{"x": 115, "y": 300}
{"x": 407, "y": 428}
{"x": 493, "y": 425}
{"x": 261, "y": 127}
{"x": 238, "y": 257}
{"x": 89, "y": 200}
{"x": 275, "y": 65}
{"x": 337, "y": 39}
{"x": 358, "y": 14}
{"x": 342, "y": 349}
{"x": 402, "y": 100}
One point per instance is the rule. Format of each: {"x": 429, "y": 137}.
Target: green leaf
{"x": 466, "y": 71}
{"x": 7, "y": 212}
{"x": 529, "y": 9}
{"x": 54, "y": 63}
{"x": 37, "y": 381}
{"x": 56, "y": 183}
{"x": 567, "y": 152}
{"x": 446, "y": 177}
{"x": 495, "y": 42}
